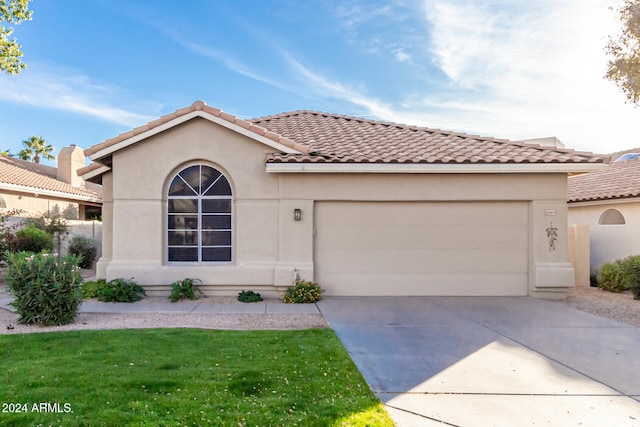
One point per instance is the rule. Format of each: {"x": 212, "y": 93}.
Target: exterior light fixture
{"x": 297, "y": 214}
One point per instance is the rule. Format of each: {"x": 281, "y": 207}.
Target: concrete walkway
{"x": 491, "y": 361}
{"x": 189, "y": 307}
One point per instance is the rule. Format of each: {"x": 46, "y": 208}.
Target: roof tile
{"x": 42, "y": 177}
{"x": 617, "y": 181}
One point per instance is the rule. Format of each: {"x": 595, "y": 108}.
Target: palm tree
{"x": 35, "y": 147}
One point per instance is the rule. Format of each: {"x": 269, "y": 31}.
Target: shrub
{"x": 86, "y": 247}
{"x": 620, "y": 275}
{"x": 303, "y": 292}
{"x": 32, "y": 239}
{"x": 90, "y": 289}
{"x": 45, "y": 291}
{"x": 184, "y": 289}
{"x": 120, "y": 290}
{"x": 611, "y": 277}
{"x": 249, "y": 296}
{"x": 53, "y": 222}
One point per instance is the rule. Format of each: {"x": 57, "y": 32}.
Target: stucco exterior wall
{"x": 36, "y": 205}
{"x": 269, "y": 246}
{"x": 609, "y": 242}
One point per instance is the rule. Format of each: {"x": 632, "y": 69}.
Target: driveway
{"x": 491, "y": 361}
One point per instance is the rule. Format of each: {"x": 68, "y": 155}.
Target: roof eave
{"x": 109, "y": 150}
{"x": 94, "y": 173}
{"x": 44, "y": 192}
{"x": 433, "y": 167}
{"x": 604, "y": 201}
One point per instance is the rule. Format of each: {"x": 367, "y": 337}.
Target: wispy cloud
{"x": 327, "y": 88}
{"x": 66, "y": 91}
{"x": 525, "y": 69}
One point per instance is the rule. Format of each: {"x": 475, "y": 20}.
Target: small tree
{"x": 54, "y": 223}
{"x": 14, "y": 12}
{"x": 36, "y": 147}
{"x": 624, "y": 67}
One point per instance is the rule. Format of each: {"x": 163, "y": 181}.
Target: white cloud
{"x": 402, "y": 56}
{"x": 63, "y": 90}
{"x": 524, "y": 69}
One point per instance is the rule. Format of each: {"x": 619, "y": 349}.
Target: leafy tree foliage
{"x": 36, "y": 147}
{"x": 624, "y": 67}
{"x": 13, "y": 12}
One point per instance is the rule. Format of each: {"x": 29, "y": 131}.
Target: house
{"x": 362, "y": 207}
{"x": 606, "y": 204}
{"x": 36, "y": 188}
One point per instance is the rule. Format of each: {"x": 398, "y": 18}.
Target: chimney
{"x": 70, "y": 160}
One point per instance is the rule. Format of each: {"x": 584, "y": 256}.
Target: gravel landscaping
{"x": 620, "y": 307}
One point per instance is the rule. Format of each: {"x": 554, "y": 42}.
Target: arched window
{"x": 611, "y": 217}
{"x": 199, "y": 223}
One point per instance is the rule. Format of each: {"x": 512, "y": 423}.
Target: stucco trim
{"x": 184, "y": 118}
{"x": 52, "y": 193}
{"x": 432, "y": 168}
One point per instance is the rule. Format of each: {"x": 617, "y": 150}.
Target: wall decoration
{"x": 552, "y": 234}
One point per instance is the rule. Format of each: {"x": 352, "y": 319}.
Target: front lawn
{"x": 183, "y": 377}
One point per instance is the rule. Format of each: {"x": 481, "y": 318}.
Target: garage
{"x": 422, "y": 248}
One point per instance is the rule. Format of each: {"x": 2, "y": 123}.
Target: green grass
{"x": 185, "y": 377}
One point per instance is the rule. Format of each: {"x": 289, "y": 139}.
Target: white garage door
{"x": 422, "y": 248}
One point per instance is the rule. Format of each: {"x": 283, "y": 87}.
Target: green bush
{"x": 45, "y": 291}
{"x": 32, "y": 239}
{"x": 249, "y": 296}
{"x": 90, "y": 289}
{"x": 620, "y": 275}
{"x": 611, "y": 277}
{"x": 184, "y": 289}
{"x": 303, "y": 292}
{"x": 86, "y": 247}
{"x": 120, "y": 290}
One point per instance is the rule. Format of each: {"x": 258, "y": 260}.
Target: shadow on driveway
{"x": 503, "y": 361}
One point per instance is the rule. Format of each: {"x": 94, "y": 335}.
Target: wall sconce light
{"x": 297, "y": 214}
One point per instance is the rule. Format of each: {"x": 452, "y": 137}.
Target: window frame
{"x": 609, "y": 215}
{"x": 200, "y": 197}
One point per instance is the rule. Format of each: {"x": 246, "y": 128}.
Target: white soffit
{"x": 96, "y": 172}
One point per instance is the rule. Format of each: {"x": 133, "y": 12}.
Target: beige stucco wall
{"x": 609, "y": 242}
{"x": 36, "y": 205}
{"x": 268, "y": 244}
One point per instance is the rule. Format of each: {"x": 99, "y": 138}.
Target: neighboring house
{"x": 607, "y": 204}
{"x": 36, "y": 188}
{"x": 360, "y": 206}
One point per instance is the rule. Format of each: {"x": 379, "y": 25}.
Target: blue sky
{"x": 512, "y": 69}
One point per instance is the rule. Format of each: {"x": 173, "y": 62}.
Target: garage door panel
{"x": 425, "y": 260}
{"x": 422, "y": 248}
{"x": 424, "y": 236}
{"x": 413, "y": 213}
{"x": 435, "y": 284}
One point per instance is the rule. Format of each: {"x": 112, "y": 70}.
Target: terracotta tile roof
{"x": 42, "y": 177}
{"x": 335, "y": 138}
{"x": 616, "y": 181}
{"x": 198, "y": 106}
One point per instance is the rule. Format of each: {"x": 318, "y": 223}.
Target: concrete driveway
{"x": 491, "y": 361}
